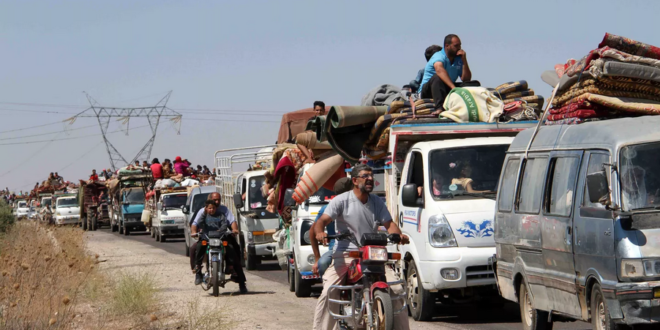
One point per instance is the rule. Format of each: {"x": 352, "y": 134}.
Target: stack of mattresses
{"x": 621, "y": 78}
{"x": 518, "y": 91}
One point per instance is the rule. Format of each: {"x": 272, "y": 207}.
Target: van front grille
{"x": 479, "y": 272}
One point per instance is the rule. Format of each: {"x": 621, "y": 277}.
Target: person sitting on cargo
{"x": 94, "y": 177}
{"x": 416, "y": 84}
{"x": 58, "y": 178}
{"x": 443, "y": 69}
{"x": 180, "y": 166}
{"x": 216, "y": 217}
{"x": 465, "y": 181}
{"x": 341, "y": 186}
{"x": 319, "y": 108}
{"x": 145, "y": 164}
{"x": 156, "y": 169}
{"x": 137, "y": 164}
{"x": 206, "y": 171}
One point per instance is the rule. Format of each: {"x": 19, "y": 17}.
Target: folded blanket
{"x": 529, "y": 99}
{"x": 580, "y": 113}
{"x": 630, "y": 46}
{"x": 607, "y": 52}
{"x": 509, "y": 87}
{"x": 581, "y": 104}
{"x": 382, "y": 95}
{"x": 609, "y": 87}
{"x": 397, "y": 106}
{"x": 381, "y": 124}
{"x": 626, "y": 104}
{"x": 511, "y": 95}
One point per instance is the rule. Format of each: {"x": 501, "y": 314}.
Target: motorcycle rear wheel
{"x": 215, "y": 282}
{"x": 383, "y": 313}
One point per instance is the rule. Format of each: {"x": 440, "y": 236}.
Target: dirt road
{"x": 269, "y": 305}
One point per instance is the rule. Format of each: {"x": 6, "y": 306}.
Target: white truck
{"x": 21, "y": 210}
{"x": 167, "y": 217}
{"x": 67, "y": 210}
{"x": 241, "y": 193}
{"x": 440, "y": 189}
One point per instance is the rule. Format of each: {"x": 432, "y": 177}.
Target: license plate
{"x": 214, "y": 257}
{"x": 310, "y": 277}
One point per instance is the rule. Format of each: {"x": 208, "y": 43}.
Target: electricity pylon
{"x": 153, "y": 115}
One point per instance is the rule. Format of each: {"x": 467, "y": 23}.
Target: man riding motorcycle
{"x": 216, "y": 217}
{"x": 358, "y": 212}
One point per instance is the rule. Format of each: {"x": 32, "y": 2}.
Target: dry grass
{"x": 134, "y": 294}
{"x": 42, "y": 272}
{"x": 196, "y": 318}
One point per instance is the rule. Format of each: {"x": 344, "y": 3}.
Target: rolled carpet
{"x": 319, "y": 128}
{"x": 529, "y": 99}
{"x": 511, "y": 95}
{"x": 348, "y": 128}
{"x": 309, "y": 141}
{"x": 381, "y": 124}
{"x": 316, "y": 177}
{"x": 509, "y": 87}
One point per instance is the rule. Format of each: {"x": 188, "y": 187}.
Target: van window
{"x": 596, "y": 162}
{"x": 416, "y": 169}
{"x": 505, "y": 202}
{"x": 531, "y": 186}
{"x": 638, "y": 172}
{"x": 562, "y": 186}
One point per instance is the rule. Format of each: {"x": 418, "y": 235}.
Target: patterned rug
{"x": 609, "y": 87}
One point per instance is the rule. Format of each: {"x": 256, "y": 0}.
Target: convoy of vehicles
{"x": 241, "y": 192}
{"x": 577, "y": 226}
{"x": 128, "y": 200}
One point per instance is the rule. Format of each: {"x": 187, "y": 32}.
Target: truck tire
{"x": 163, "y": 238}
{"x": 252, "y": 262}
{"x": 532, "y": 319}
{"x": 421, "y": 302}
{"x": 126, "y": 232}
{"x": 94, "y": 224}
{"x": 292, "y": 278}
{"x": 120, "y": 229}
{"x": 84, "y": 223}
{"x": 600, "y": 314}
{"x": 303, "y": 287}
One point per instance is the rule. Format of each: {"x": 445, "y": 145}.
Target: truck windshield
{"x": 198, "y": 201}
{"x": 255, "y": 198}
{"x": 22, "y": 204}
{"x": 466, "y": 171}
{"x": 67, "y": 202}
{"x": 640, "y": 179}
{"x": 174, "y": 201}
{"x": 322, "y": 196}
{"x": 134, "y": 196}
{"x": 46, "y": 202}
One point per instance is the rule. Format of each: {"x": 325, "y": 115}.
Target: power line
{"x": 31, "y": 127}
{"x": 79, "y": 158}
{"x": 235, "y": 120}
{"x": 49, "y": 133}
{"x": 26, "y": 160}
{"x": 71, "y": 138}
{"x": 38, "y": 111}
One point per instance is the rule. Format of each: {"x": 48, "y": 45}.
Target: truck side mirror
{"x": 409, "y": 196}
{"x": 159, "y": 206}
{"x": 238, "y": 201}
{"x": 598, "y": 188}
{"x": 288, "y": 198}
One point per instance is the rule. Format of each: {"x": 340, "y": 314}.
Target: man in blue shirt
{"x": 417, "y": 83}
{"x": 443, "y": 69}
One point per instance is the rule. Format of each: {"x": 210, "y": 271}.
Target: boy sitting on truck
{"x": 213, "y": 218}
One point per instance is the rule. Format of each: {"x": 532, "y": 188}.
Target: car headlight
{"x": 57, "y": 213}
{"x": 632, "y": 268}
{"x": 440, "y": 234}
{"x": 305, "y": 226}
{"x": 652, "y": 267}
{"x": 310, "y": 259}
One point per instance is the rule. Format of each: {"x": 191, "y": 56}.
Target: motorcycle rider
{"x": 358, "y": 212}
{"x": 215, "y": 217}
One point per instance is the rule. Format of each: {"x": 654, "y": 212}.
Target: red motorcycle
{"x": 366, "y": 298}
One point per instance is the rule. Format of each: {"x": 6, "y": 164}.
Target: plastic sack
{"x": 283, "y": 250}
{"x": 189, "y": 183}
{"x": 146, "y": 217}
{"x": 471, "y": 105}
{"x": 168, "y": 183}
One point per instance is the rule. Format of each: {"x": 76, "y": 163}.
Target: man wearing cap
{"x": 180, "y": 166}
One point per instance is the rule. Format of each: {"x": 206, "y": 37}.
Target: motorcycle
{"x": 215, "y": 275}
{"x": 366, "y": 298}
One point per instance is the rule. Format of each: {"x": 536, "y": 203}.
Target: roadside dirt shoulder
{"x": 269, "y": 305}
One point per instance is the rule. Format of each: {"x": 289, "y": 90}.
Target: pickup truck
{"x": 166, "y": 213}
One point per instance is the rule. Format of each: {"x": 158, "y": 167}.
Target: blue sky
{"x": 254, "y": 60}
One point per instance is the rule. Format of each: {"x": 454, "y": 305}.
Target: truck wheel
{"x": 94, "y": 223}
{"x": 303, "y": 287}
{"x": 126, "y": 232}
{"x": 252, "y": 262}
{"x": 163, "y": 238}
{"x": 84, "y": 223}
{"x": 532, "y": 319}
{"x": 421, "y": 302}
{"x": 600, "y": 314}
{"x": 120, "y": 229}
{"x": 113, "y": 228}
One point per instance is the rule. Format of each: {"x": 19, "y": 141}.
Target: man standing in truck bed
{"x": 443, "y": 69}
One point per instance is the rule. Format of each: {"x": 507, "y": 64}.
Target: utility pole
{"x": 153, "y": 115}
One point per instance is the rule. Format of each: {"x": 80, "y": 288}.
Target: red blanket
{"x": 580, "y": 113}
{"x": 630, "y": 46}
{"x": 573, "y": 106}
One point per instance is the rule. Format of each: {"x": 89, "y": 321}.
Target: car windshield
{"x": 67, "y": 202}
{"x": 466, "y": 171}
{"x": 198, "y": 201}
{"x": 322, "y": 196}
{"x": 640, "y": 178}
{"x": 134, "y": 196}
{"x": 22, "y": 204}
{"x": 255, "y": 198}
{"x": 174, "y": 201}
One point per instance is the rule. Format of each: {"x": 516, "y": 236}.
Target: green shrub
{"x": 6, "y": 217}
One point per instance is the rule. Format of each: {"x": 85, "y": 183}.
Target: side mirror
{"x": 238, "y": 201}
{"x": 409, "y": 196}
{"x": 185, "y": 209}
{"x": 159, "y": 206}
{"x": 598, "y": 188}
{"x": 288, "y": 198}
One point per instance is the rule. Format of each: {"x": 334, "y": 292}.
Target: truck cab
{"x": 168, "y": 219}
{"x": 131, "y": 207}
{"x": 241, "y": 193}
{"x": 441, "y": 191}
{"x": 22, "y": 209}
{"x": 67, "y": 210}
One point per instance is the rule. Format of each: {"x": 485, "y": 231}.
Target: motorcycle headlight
{"x": 376, "y": 253}
{"x": 440, "y": 234}
{"x": 215, "y": 242}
